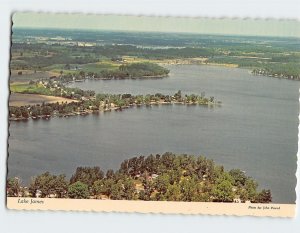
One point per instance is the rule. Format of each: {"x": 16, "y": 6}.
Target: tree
{"x": 60, "y": 185}
{"x": 162, "y": 182}
{"x": 18, "y": 112}
{"x": 117, "y": 191}
{"x": 35, "y": 112}
{"x": 46, "y": 110}
{"x": 103, "y": 187}
{"x": 87, "y": 175}
{"x": 178, "y": 95}
{"x": 13, "y": 187}
{"x": 238, "y": 176}
{"x": 25, "y": 113}
{"x": 173, "y": 193}
{"x": 78, "y": 190}
{"x": 174, "y": 176}
{"x": 251, "y": 186}
{"x": 264, "y": 196}
{"x": 129, "y": 188}
{"x": 150, "y": 164}
{"x": 222, "y": 192}
{"x": 243, "y": 194}
{"x": 188, "y": 188}
{"x": 48, "y": 184}
{"x": 124, "y": 168}
{"x": 110, "y": 174}
{"x": 149, "y": 187}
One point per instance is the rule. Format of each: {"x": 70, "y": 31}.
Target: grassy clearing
{"x": 30, "y": 89}
{"x": 133, "y": 59}
{"x": 89, "y": 67}
{"x": 20, "y": 87}
{"x": 97, "y": 67}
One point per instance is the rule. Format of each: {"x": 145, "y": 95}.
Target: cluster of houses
{"x": 264, "y": 72}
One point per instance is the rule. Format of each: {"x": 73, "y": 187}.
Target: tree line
{"x": 125, "y": 71}
{"x": 166, "y": 177}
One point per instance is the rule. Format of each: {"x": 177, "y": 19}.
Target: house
{"x": 38, "y": 193}
{"x": 154, "y": 176}
{"x": 52, "y": 195}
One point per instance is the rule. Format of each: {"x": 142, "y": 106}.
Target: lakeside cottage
{"x": 38, "y": 193}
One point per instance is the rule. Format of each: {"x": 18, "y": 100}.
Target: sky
{"x": 230, "y": 26}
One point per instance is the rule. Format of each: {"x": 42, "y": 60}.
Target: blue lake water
{"x": 255, "y": 129}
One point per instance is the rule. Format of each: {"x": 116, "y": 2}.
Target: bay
{"x": 255, "y": 129}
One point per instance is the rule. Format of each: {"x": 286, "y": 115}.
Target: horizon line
{"x": 158, "y": 32}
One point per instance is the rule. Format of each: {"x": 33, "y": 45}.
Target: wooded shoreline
{"x": 105, "y": 103}
{"x": 166, "y": 177}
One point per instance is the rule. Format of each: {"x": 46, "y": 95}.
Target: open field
{"x": 28, "y": 75}
{"x": 19, "y": 87}
{"x": 98, "y": 66}
{"x": 17, "y": 99}
{"x": 89, "y": 67}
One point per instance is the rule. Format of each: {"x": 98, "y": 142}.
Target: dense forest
{"x": 166, "y": 177}
{"x": 138, "y": 70}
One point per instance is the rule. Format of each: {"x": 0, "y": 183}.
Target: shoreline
{"x": 88, "y": 111}
{"x": 193, "y": 61}
{"x": 138, "y": 77}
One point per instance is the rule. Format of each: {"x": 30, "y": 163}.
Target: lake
{"x": 255, "y": 129}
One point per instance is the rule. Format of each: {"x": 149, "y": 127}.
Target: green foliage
{"x": 188, "y": 178}
{"x": 103, "y": 186}
{"x": 190, "y": 189}
{"x": 128, "y": 188}
{"x": 250, "y": 187}
{"x": 264, "y": 196}
{"x": 87, "y": 175}
{"x": 48, "y": 184}
{"x": 143, "y": 69}
{"x": 222, "y": 191}
{"x": 13, "y": 187}
{"x": 251, "y": 52}
{"x": 166, "y": 177}
{"x": 117, "y": 191}
{"x": 173, "y": 193}
{"x": 78, "y": 190}
{"x": 238, "y": 176}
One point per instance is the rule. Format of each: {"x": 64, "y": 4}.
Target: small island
{"x": 166, "y": 177}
